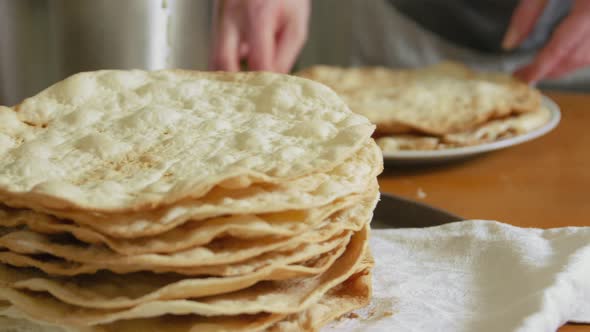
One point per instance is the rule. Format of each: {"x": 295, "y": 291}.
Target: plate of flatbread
{"x": 441, "y": 112}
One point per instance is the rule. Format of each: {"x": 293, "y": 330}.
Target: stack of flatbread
{"x": 439, "y": 107}
{"x": 184, "y": 201}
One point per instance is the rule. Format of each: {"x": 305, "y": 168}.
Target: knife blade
{"x": 397, "y": 212}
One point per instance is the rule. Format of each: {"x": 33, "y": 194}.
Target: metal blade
{"x": 397, "y": 212}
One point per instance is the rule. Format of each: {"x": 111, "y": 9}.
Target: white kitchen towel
{"x": 476, "y": 276}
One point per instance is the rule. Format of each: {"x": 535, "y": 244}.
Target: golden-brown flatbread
{"x": 438, "y": 100}
{"x": 490, "y": 131}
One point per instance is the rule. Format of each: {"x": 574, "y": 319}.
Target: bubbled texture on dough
{"x": 124, "y": 140}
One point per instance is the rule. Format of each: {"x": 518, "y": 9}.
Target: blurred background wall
{"x": 43, "y": 41}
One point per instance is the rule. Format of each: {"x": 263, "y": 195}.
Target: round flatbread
{"x": 134, "y": 140}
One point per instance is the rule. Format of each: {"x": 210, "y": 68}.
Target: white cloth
{"x": 476, "y": 276}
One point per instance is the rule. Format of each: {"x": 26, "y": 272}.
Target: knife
{"x": 397, "y": 212}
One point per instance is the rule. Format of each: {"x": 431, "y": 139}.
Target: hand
{"x": 568, "y": 48}
{"x": 268, "y": 34}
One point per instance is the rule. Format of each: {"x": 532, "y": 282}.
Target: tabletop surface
{"x": 543, "y": 183}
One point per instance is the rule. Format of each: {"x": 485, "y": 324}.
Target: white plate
{"x": 436, "y": 156}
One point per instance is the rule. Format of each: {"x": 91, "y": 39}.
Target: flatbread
{"x": 14, "y": 324}
{"x": 500, "y": 128}
{"x": 438, "y": 100}
{"x": 353, "y": 176}
{"x": 283, "y": 297}
{"x": 107, "y": 290}
{"x": 115, "y": 141}
{"x": 223, "y": 251}
{"x": 168, "y": 323}
{"x": 192, "y": 233}
{"x": 490, "y": 131}
{"x": 408, "y": 142}
{"x": 354, "y": 293}
{"x": 302, "y": 253}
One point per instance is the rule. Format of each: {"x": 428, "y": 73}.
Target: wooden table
{"x": 543, "y": 183}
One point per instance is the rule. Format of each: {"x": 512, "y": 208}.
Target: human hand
{"x": 568, "y": 48}
{"x": 267, "y": 34}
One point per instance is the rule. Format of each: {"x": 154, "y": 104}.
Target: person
{"x": 537, "y": 40}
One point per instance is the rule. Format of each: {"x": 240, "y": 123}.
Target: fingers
{"x": 563, "y": 69}
{"x": 290, "y": 42}
{"x": 523, "y": 21}
{"x": 225, "y": 54}
{"x": 243, "y": 50}
{"x": 563, "y": 42}
{"x": 580, "y": 58}
{"x": 261, "y": 37}
{"x": 268, "y": 34}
